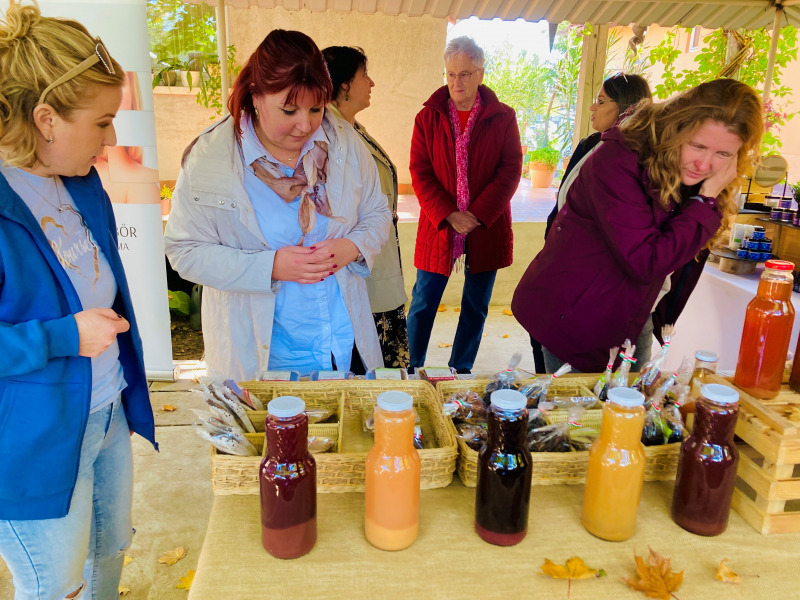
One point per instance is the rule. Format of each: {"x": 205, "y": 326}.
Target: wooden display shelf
{"x": 767, "y": 493}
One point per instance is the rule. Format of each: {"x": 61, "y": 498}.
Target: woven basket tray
{"x": 551, "y": 468}
{"x": 343, "y": 470}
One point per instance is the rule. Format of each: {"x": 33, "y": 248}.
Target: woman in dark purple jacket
{"x": 645, "y": 203}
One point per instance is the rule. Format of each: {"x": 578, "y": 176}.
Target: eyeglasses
{"x": 100, "y": 55}
{"x": 463, "y": 77}
{"x": 602, "y": 101}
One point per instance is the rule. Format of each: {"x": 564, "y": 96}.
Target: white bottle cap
{"x": 706, "y": 356}
{"x": 625, "y": 397}
{"x": 509, "y": 399}
{"x": 286, "y": 406}
{"x": 721, "y": 394}
{"x": 395, "y": 401}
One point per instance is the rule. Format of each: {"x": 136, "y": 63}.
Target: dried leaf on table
{"x": 793, "y": 413}
{"x": 127, "y": 560}
{"x": 169, "y": 408}
{"x": 173, "y": 556}
{"x": 724, "y": 573}
{"x": 508, "y": 312}
{"x": 457, "y": 309}
{"x": 505, "y": 335}
{"x": 574, "y": 568}
{"x": 441, "y": 308}
{"x": 655, "y": 577}
{"x": 444, "y": 345}
{"x": 186, "y": 581}
{"x": 123, "y": 591}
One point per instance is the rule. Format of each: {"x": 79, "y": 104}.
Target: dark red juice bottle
{"x": 707, "y": 464}
{"x": 288, "y": 478}
{"x": 503, "y": 492}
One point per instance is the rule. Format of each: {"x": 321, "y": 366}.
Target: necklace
{"x": 61, "y": 206}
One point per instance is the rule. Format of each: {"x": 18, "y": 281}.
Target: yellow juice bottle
{"x": 615, "y": 474}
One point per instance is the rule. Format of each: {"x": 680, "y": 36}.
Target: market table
{"x": 448, "y": 560}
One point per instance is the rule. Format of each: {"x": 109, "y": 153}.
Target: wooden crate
{"x": 767, "y": 493}
{"x": 552, "y": 468}
{"x": 344, "y": 469}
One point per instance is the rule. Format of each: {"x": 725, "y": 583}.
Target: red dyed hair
{"x": 285, "y": 60}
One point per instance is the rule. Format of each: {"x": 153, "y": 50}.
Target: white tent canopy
{"x": 712, "y": 14}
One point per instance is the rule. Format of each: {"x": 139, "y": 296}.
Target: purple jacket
{"x": 610, "y": 248}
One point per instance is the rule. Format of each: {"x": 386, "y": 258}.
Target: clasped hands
{"x": 314, "y": 263}
{"x": 462, "y": 221}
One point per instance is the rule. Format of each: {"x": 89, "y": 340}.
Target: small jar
{"x": 752, "y": 244}
{"x": 759, "y": 233}
{"x": 765, "y": 245}
{"x": 787, "y": 216}
{"x": 742, "y": 252}
{"x": 796, "y": 218}
{"x": 775, "y": 214}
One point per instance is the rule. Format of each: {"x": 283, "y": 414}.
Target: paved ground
{"x": 172, "y": 494}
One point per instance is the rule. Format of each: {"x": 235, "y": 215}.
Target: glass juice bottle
{"x": 705, "y": 364}
{"x": 767, "y": 329}
{"x": 288, "y": 478}
{"x": 503, "y": 493}
{"x": 615, "y": 474}
{"x": 707, "y": 465}
{"x": 391, "y": 520}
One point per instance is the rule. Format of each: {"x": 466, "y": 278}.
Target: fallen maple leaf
{"x": 505, "y": 335}
{"x": 724, "y": 573}
{"x": 457, "y": 309}
{"x": 441, "y": 308}
{"x": 169, "y": 408}
{"x": 574, "y": 568}
{"x": 127, "y": 560}
{"x": 444, "y": 345}
{"x": 656, "y": 578}
{"x": 123, "y": 591}
{"x": 173, "y": 556}
{"x": 508, "y": 312}
{"x": 186, "y": 581}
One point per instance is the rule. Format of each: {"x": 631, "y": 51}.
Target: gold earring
{"x": 50, "y": 141}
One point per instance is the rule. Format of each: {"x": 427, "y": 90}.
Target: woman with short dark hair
{"x": 351, "y": 94}
{"x": 279, "y": 214}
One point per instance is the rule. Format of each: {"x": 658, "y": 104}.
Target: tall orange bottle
{"x": 767, "y": 329}
{"x": 615, "y": 474}
{"x": 392, "y": 475}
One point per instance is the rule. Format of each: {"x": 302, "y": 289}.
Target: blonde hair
{"x": 34, "y": 52}
{"x": 656, "y": 133}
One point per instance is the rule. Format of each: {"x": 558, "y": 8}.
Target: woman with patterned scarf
{"x": 466, "y": 163}
{"x": 278, "y": 212}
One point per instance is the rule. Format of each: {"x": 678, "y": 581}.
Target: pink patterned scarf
{"x": 462, "y": 164}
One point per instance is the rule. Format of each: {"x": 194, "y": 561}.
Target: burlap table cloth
{"x": 449, "y": 560}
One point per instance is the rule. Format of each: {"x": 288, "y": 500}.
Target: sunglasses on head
{"x": 100, "y": 55}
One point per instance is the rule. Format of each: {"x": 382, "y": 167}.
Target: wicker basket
{"x": 551, "y": 468}
{"x": 343, "y": 470}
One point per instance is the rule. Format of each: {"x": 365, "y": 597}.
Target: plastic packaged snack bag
{"x": 601, "y": 387}
{"x": 647, "y": 379}
{"x": 535, "y": 390}
{"x": 465, "y": 407}
{"x": 620, "y": 378}
{"x": 473, "y": 435}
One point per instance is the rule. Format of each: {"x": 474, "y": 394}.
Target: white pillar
{"x": 593, "y": 64}
{"x": 773, "y": 50}
{"x": 222, "y": 50}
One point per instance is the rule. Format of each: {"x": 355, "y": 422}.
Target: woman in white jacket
{"x": 278, "y": 213}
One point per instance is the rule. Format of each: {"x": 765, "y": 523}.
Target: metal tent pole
{"x": 773, "y": 50}
{"x": 222, "y": 51}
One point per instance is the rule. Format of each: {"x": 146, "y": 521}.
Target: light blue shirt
{"x": 82, "y": 259}
{"x": 311, "y": 321}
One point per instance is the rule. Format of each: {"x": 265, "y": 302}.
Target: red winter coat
{"x": 495, "y": 166}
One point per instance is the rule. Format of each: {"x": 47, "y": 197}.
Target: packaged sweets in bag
{"x": 535, "y": 390}
{"x": 647, "y": 378}
{"x": 508, "y": 379}
{"x": 620, "y": 378}
{"x": 672, "y": 423}
{"x": 243, "y": 395}
{"x": 473, "y": 435}
{"x": 653, "y": 431}
{"x": 318, "y": 415}
{"x": 601, "y": 387}
{"x": 465, "y": 407}
{"x": 318, "y": 444}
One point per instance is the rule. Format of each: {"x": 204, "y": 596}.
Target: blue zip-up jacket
{"x": 45, "y": 387}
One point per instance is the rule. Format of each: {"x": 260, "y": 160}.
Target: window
{"x": 694, "y": 39}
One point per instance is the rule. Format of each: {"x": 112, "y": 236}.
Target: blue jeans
{"x": 425, "y": 299}
{"x": 84, "y": 550}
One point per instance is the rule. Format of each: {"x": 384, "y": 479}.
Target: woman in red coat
{"x": 644, "y": 204}
{"x": 466, "y": 163}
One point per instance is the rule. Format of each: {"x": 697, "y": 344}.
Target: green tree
{"x": 711, "y": 64}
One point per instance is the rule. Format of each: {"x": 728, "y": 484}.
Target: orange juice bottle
{"x": 392, "y": 475}
{"x": 615, "y": 474}
{"x": 767, "y": 329}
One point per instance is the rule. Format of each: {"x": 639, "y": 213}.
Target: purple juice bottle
{"x": 288, "y": 478}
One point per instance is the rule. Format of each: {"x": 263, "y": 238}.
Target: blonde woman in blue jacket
{"x": 72, "y": 382}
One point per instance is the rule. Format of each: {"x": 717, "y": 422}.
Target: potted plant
{"x": 542, "y": 164}
{"x": 796, "y": 190}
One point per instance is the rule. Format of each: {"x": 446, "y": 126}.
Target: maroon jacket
{"x": 612, "y": 245}
{"x": 495, "y": 166}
